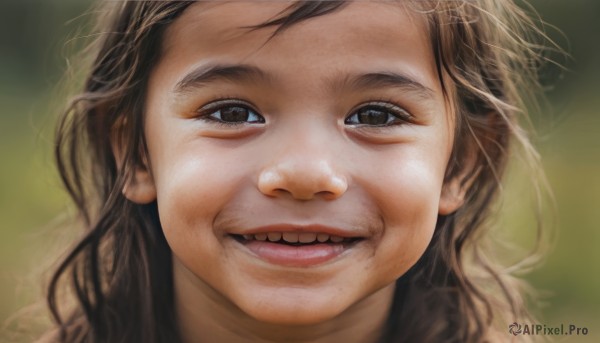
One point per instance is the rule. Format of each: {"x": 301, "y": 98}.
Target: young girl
{"x": 312, "y": 171}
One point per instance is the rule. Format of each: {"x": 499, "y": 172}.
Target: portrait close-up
{"x": 299, "y": 171}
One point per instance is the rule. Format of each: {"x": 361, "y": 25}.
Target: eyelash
{"x": 205, "y": 112}
{"x": 401, "y": 115}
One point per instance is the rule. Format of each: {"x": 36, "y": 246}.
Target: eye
{"x": 378, "y": 114}
{"x": 230, "y": 112}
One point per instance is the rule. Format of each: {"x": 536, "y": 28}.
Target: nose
{"x": 303, "y": 177}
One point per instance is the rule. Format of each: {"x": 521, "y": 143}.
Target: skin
{"x": 305, "y": 164}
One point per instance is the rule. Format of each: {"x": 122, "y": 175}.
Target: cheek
{"x": 407, "y": 195}
{"x": 191, "y": 190}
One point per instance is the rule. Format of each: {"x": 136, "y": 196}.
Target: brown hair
{"x": 120, "y": 271}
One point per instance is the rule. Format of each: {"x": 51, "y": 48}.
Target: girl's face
{"x": 334, "y": 133}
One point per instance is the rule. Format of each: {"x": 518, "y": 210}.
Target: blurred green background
{"x": 32, "y": 62}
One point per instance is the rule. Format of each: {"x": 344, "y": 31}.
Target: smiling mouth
{"x": 296, "y": 249}
{"x": 296, "y": 238}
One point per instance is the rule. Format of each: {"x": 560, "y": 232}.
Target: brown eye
{"x": 371, "y": 116}
{"x": 234, "y": 114}
{"x": 231, "y": 113}
{"x": 378, "y": 115}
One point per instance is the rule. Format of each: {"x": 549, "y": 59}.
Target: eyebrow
{"x": 206, "y": 74}
{"x": 215, "y": 72}
{"x": 388, "y": 79}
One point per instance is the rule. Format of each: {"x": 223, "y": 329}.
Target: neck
{"x": 205, "y": 316}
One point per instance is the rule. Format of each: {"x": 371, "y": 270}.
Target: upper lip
{"x": 315, "y": 228}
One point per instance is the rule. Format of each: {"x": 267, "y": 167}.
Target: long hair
{"x": 120, "y": 272}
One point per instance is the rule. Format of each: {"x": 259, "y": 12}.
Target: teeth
{"x": 307, "y": 237}
{"x": 295, "y": 237}
{"x": 290, "y": 237}
{"x": 322, "y": 237}
{"x": 260, "y": 236}
{"x": 336, "y": 239}
{"x": 274, "y": 236}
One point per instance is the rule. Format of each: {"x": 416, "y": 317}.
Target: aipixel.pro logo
{"x": 515, "y": 328}
{"x": 545, "y": 330}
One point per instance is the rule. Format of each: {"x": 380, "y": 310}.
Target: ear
{"x": 459, "y": 180}
{"x": 484, "y": 140}
{"x": 139, "y": 185}
{"x": 453, "y": 195}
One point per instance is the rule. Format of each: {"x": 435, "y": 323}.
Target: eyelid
{"x": 397, "y": 111}
{"x": 222, "y": 103}
{"x": 205, "y": 112}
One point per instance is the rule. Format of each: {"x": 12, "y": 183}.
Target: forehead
{"x": 361, "y": 37}
{"x": 223, "y": 26}
{"x": 233, "y": 18}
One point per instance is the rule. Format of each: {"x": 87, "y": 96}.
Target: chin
{"x": 295, "y": 311}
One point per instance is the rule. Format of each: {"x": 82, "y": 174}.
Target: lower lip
{"x": 295, "y": 256}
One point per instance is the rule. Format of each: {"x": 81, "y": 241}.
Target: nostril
{"x": 269, "y": 183}
{"x": 327, "y": 195}
{"x": 302, "y": 181}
